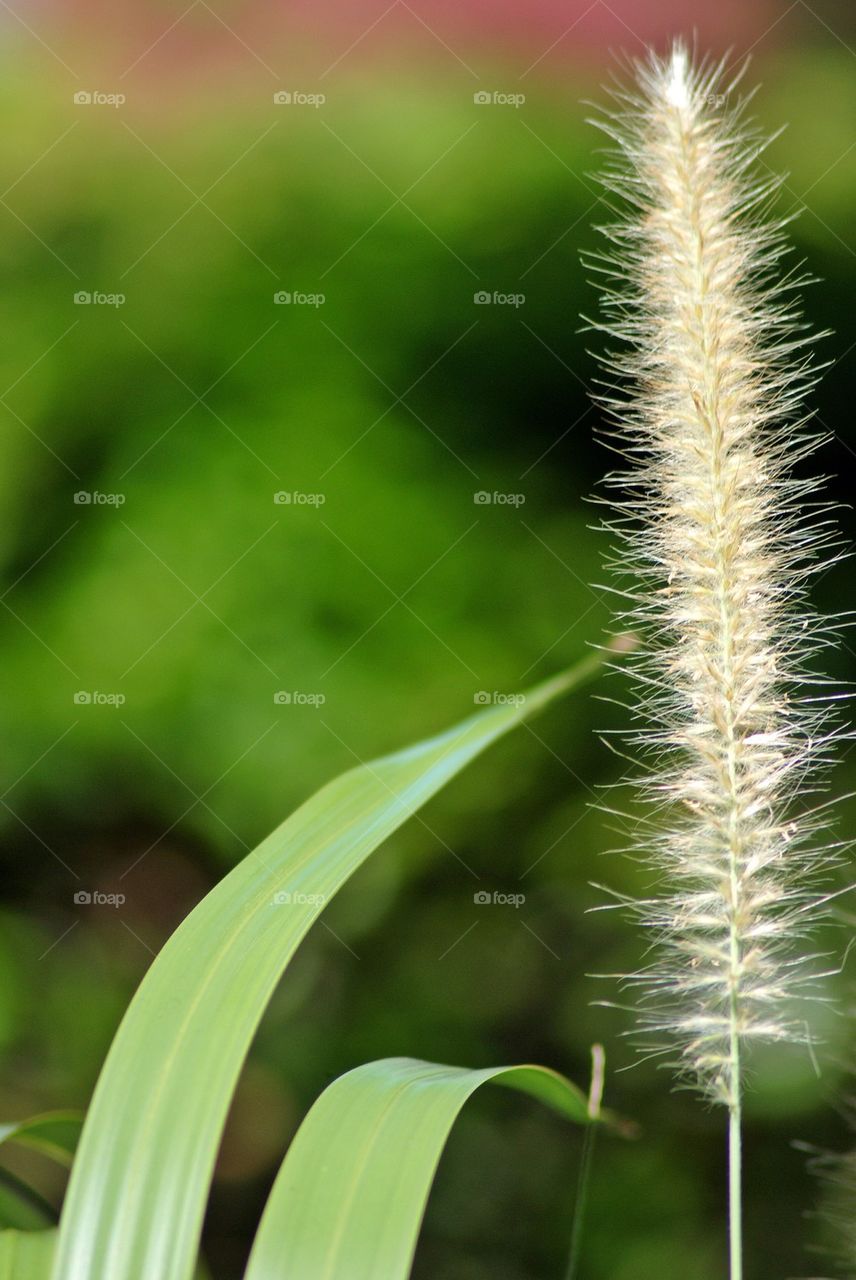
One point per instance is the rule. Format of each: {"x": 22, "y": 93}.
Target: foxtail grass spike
{"x": 718, "y": 538}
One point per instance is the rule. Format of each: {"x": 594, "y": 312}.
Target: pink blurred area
{"x": 307, "y": 38}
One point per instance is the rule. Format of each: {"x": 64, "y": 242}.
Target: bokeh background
{"x": 181, "y": 599}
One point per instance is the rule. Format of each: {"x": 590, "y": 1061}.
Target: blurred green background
{"x": 383, "y": 599}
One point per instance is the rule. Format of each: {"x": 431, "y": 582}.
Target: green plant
{"x": 141, "y": 1174}
{"x": 720, "y": 539}
{"x": 722, "y": 547}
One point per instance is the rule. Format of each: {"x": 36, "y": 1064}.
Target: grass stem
{"x": 735, "y": 1188}
{"x": 594, "y": 1104}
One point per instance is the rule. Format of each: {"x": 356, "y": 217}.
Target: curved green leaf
{"x": 54, "y": 1134}
{"x": 22, "y": 1207}
{"x": 139, "y": 1183}
{"x": 348, "y": 1201}
{"x": 26, "y": 1255}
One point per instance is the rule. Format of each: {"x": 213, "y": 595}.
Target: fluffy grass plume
{"x": 720, "y": 538}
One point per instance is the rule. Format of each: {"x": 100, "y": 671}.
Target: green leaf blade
{"x": 351, "y": 1193}
{"x": 26, "y": 1255}
{"x": 54, "y": 1134}
{"x": 139, "y": 1183}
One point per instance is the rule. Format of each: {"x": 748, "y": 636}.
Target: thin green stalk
{"x": 594, "y": 1111}
{"x": 581, "y": 1202}
{"x": 735, "y": 1185}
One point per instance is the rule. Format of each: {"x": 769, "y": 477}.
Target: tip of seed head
{"x": 678, "y": 77}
